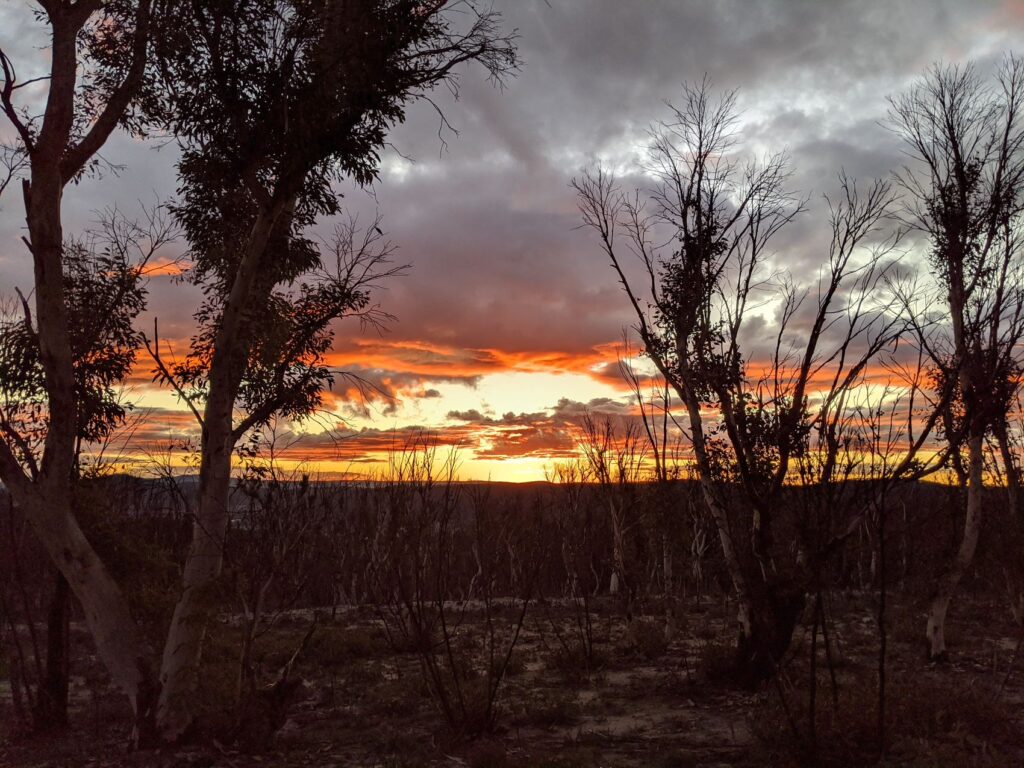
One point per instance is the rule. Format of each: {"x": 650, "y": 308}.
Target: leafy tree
{"x": 274, "y": 102}
{"x": 83, "y": 106}
{"x": 105, "y": 292}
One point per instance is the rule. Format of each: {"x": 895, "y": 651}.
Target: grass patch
{"x": 927, "y": 715}
{"x": 573, "y": 664}
{"x": 550, "y": 709}
{"x": 333, "y": 647}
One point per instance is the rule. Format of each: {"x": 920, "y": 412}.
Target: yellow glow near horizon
{"x": 510, "y": 413}
{"x": 507, "y": 392}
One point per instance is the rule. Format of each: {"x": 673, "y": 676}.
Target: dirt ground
{"x": 645, "y": 702}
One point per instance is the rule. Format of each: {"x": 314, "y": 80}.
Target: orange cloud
{"x": 163, "y": 267}
{"x": 389, "y": 371}
{"x": 432, "y": 360}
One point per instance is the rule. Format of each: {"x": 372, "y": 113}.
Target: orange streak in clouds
{"x": 428, "y": 359}
{"x": 165, "y": 268}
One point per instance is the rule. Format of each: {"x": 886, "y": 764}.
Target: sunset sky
{"x": 509, "y": 321}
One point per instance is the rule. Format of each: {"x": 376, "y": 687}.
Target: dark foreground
{"x": 639, "y": 701}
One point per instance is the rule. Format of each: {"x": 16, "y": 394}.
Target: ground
{"x": 647, "y": 703}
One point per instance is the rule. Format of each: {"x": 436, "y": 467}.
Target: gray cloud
{"x": 488, "y": 221}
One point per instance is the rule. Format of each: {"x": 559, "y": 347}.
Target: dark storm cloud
{"x": 359, "y": 392}
{"x": 487, "y": 218}
{"x": 490, "y": 223}
{"x": 573, "y": 411}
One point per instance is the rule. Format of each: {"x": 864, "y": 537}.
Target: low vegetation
{"x": 494, "y": 670}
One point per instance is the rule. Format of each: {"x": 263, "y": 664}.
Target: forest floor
{"x": 642, "y": 702}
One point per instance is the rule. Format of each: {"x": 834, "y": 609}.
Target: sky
{"x": 509, "y": 322}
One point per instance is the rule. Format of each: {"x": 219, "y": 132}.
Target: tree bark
{"x": 766, "y": 614}
{"x": 46, "y": 498}
{"x": 106, "y": 612}
{"x": 52, "y": 704}
{"x": 47, "y": 502}
{"x": 183, "y": 648}
{"x": 948, "y": 582}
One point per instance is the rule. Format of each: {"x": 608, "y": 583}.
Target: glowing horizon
{"x": 509, "y": 319}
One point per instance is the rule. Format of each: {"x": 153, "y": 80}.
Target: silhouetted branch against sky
{"x": 506, "y": 308}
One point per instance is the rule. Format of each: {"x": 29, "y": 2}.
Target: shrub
{"x": 647, "y": 638}
{"x": 926, "y": 715}
{"x": 574, "y": 664}
{"x": 552, "y": 709}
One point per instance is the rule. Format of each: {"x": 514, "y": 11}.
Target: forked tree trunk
{"x": 106, "y": 612}
{"x": 948, "y": 582}
{"x": 767, "y": 613}
{"x": 47, "y": 502}
{"x": 753, "y": 614}
{"x": 56, "y": 156}
{"x": 183, "y": 648}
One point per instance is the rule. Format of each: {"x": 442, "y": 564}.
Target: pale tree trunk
{"x": 183, "y": 648}
{"x": 1012, "y": 570}
{"x": 744, "y": 607}
{"x": 113, "y": 629}
{"x": 621, "y": 582}
{"x": 618, "y": 577}
{"x": 766, "y": 613}
{"x": 948, "y": 582}
{"x": 47, "y": 502}
{"x": 668, "y": 587}
{"x": 47, "y": 499}
{"x": 732, "y": 561}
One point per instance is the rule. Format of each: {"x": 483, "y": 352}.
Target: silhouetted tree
{"x": 717, "y": 218}
{"x": 613, "y": 459}
{"x": 966, "y": 195}
{"x": 272, "y": 102}
{"x": 82, "y": 108}
{"x": 105, "y": 292}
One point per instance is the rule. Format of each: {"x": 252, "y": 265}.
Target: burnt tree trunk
{"x": 52, "y": 702}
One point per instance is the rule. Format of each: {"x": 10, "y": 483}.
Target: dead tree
{"x": 665, "y": 437}
{"x": 425, "y": 521}
{"x": 614, "y": 461}
{"x": 965, "y": 194}
{"x": 717, "y": 218}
